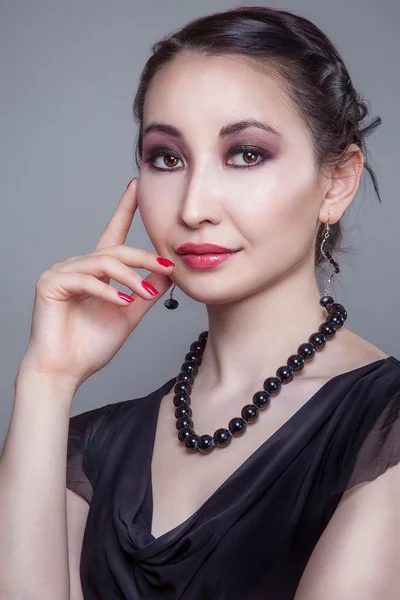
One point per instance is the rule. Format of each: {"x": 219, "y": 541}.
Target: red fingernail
{"x": 130, "y": 183}
{"x": 125, "y": 297}
{"x": 147, "y": 286}
{"x": 165, "y": 262}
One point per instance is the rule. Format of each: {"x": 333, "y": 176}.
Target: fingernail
{"x": 165, "y": 262}
{"x": 152, "y": 290}
{"x": 125, "y": 297}
{"x": 130, "y": 183}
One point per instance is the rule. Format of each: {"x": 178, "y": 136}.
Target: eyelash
{"x": 151, "y": 157}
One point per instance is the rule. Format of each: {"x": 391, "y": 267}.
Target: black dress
{"x": 253, "y": 537}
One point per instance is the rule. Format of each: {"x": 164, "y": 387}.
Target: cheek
{"x": 279, "y": 214}
{"x": 154, "y": 201}
{"x": 154, "y": 208}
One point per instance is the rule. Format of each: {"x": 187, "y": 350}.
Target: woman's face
{"x": 248, "y": 189}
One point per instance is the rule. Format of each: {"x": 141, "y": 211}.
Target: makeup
{"x": 205, "y": 261}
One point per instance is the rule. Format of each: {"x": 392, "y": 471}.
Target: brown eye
{"x": 249, "y": 157}
{"x": 252, "y": 157}
{"x": 171, "y": 158}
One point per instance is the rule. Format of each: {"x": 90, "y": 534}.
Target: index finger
{"x": 118, "y": 226}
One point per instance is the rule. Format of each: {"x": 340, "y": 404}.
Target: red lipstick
{"x": 190, "y": 248}
{"x": 204, "y": 256}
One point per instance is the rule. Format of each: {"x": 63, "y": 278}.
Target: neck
{"x": 250, "y": 338}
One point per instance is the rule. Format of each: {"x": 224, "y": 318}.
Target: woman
{"x": 226, "y": 482}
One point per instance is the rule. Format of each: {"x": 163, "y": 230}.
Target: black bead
{"x": 307, "y": 350}
{"x": 184, "y": 433}
{"x": 184, "y": 423}
{"x": 194, "y": 357}
{"x": 183, "y": 411}
{"x": 318, "y": 339}
{"x": 203, "y": 337}
{"x": 296, "y": 362}
{"x": 183, "y": 386}
{"x": 272, "y": 385}
{"x": 180, "y": 399}
{"x": 326, "y": 301}
{"x": 206, "y": 443}
{"x": 250, "y": 413}
{"x": 187, "y": 377}
{"x": 197, "y": 346}
{"x": 261, "y": 399}
{"x": 285, "y": 374}
{"x": 337, "y": 319}
{"x": 338, "y": 308}
{"x": 237, "y": 426}
{"x": 191, "y": 442}
{"x": 171, "y": 303}
{"x": 327, "y": 329}
{"x": 222, "y": 437}
{"x": 189, "y": 368}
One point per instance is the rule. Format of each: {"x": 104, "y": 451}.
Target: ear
{"x": 343, "y": 185}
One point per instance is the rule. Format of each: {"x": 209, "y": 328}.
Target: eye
{"x": 249, "y": 154}
{"x": 169, "y": 159}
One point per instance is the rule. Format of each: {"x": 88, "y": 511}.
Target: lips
{"x": 206, "y": 261}
{"x": 190, "y": 248}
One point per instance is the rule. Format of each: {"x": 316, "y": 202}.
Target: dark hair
{"x": 310, "y": 70}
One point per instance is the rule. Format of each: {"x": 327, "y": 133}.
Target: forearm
{"x": 33, "y": 527}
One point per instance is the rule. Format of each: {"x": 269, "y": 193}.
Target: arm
{"x": 77, "y": 513}
{"x": 33, "y": 525}
{"x": 358, "y": 555}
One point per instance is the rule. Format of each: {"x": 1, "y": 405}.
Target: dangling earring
{"x": 328, "y": 255}
{"x": 171, "y": 303}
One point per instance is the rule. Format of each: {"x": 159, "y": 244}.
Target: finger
{"x": 106, "y": 267}
{"x": 65, "y": 285}
{"x": 115, "y": 262}
{"x": 140, "y": 307}
{"x": 118, "y": 226}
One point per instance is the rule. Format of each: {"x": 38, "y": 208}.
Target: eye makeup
{"x": 153, "y": 153}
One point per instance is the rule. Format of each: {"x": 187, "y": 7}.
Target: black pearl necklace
{"x": 237, "y": 426}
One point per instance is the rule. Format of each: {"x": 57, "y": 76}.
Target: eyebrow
{"x": 224, "y": 131}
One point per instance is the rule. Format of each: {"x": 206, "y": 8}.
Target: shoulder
{"x": 97, "y": 422}
{"x": 347, "y": 352}
{"x": 366, "y": 439}
{"x": 358, "y": 553}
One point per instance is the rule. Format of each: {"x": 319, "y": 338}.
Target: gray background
{"x": 69, "y": 71}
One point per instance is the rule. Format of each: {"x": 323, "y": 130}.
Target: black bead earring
{"x": 171, "y": 303}
{"x": 328, "y": 255}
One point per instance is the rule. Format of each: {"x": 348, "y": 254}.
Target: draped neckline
{"x": 167, "y": 538}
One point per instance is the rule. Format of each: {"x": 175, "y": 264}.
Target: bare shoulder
{"x": 348, "y": 351}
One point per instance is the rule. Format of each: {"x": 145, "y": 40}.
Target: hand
{"x": 79, "y": 323}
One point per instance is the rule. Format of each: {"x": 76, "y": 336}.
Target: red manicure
{"x": 147, "y": 286}
{"x": 165, "y": 262}
{"x": 125, "y": 297}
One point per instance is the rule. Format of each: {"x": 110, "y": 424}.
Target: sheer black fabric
{"x": 253, "y": 537}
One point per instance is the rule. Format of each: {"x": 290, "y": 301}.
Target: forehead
{"x": 196, "y": 88}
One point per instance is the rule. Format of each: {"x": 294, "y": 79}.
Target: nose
{"x": 200, "y": 202}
